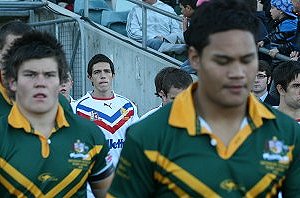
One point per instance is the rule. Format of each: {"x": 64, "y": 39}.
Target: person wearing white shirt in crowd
{"x": 162, "y": 31}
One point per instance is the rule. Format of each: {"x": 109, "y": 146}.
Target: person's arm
{"x": 134, "y": 25}
{"x": 101, "y": 174}
{"x": 135, "y": 172}
{"x": 100, "y": 188}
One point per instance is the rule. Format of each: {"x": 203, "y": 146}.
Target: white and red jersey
{"x": 113, "y": 115}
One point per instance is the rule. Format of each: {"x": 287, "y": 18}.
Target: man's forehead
{"x": 44, "y": 64}
{"x": 101, "y": 65}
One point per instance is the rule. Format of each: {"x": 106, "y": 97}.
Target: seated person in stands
{"x": 281, "y": 38}
{"x": 163, "y": 33}
{"x": 187, "y": 9}
{"x": 262, "y": 80}
{"x": 68, "y": 4}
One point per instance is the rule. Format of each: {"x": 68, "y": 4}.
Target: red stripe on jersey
{"x": 111, "y": 129}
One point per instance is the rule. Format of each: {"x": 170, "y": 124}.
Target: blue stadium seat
{"x": 115, "y": 20}
{"x": 96, "y": 7}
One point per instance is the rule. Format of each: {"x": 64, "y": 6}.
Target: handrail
{"x": 24, "y": 5}
{"x": 277, "y": 56}
{"x": 146, "y": 6}
{"x": 163, "y": 12}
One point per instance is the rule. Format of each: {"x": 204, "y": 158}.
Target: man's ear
{"x": 13, "y": 85}
{"x": 162, "y": 95}
{"x": 280, "y": 90}
{"x": 89, "y": 77}
{"x": 194, "y": 58}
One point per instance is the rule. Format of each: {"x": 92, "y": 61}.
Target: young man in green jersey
{"x": 44, "y": 150}
{"x": 215, "y": 139}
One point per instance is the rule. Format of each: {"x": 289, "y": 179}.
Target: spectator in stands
{"x": 187, "y": 9}
{"x": 42, "y": 146}
{"x": 287, "y": 81}
{"x": 295, "y": 54}
{"x": 113, "y": 113}
{"x": 66, "y": 87}
{"x": 281, "y": 39}
{"x": 9, "y": 32}
{"x": 262, "y": 29}
{"x": 68, "y": 4}
{"x": 163, "y": 33}
{"x": 215, "y": 139}
{"x": 169, "y": 82}
{"x": 262, "y": 80}
{"x": 265, "y": 6}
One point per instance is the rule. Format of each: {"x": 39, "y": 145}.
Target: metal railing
{"x": 144, "y": 6}
{"x": 277, "y": 56}
{"x": 21, "y": 5}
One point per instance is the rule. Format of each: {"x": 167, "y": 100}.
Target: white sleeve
{"x": 134, "y": 26}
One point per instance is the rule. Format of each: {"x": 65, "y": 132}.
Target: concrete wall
{"x": 135, "y": 67}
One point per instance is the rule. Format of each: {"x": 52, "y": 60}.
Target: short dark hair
{"x": 191, "y": 3}
{"x": 176, "y": 78}
{"x": 264, "y": 66}
{"x": 252, "y": 4}
{"x": 159, "y": 78}
{"x": 17, "y": 28}
{"x": 218, "y": 16}
{"x": 285, "y": 73}
{"x": 34, "y": 45}
{"x": 97, "y": 59}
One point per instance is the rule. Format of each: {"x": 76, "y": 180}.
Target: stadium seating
{"x": 115, "y": 21}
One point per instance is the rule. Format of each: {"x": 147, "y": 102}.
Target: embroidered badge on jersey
{"x": 276, "y": 156}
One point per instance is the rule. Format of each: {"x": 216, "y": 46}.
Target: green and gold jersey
{"x": 170, "y": 154}
{"x": 5, "y": 102}
{"x": 32, "y": 165}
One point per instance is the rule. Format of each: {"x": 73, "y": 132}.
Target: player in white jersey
{"x": 111, "y": 112}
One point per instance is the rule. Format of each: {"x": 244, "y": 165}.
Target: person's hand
{"x": 260, "y": 44}
{"x": 273, "y": 52}
{"x": 294, "y": 55}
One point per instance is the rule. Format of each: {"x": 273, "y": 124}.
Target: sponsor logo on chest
{"x": 112, "y": 144}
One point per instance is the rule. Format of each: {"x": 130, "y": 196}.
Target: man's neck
{"x": 97, "y": 94}
{"x": 43, "y": 122}
{"x": 294, "y": 113}
{"x": 260, "y": 93}
{"x": 208, "y": 109}
{"x": 224, "y": 121}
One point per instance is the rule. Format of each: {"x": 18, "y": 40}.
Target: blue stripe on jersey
{"x": 110, "y": 119}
